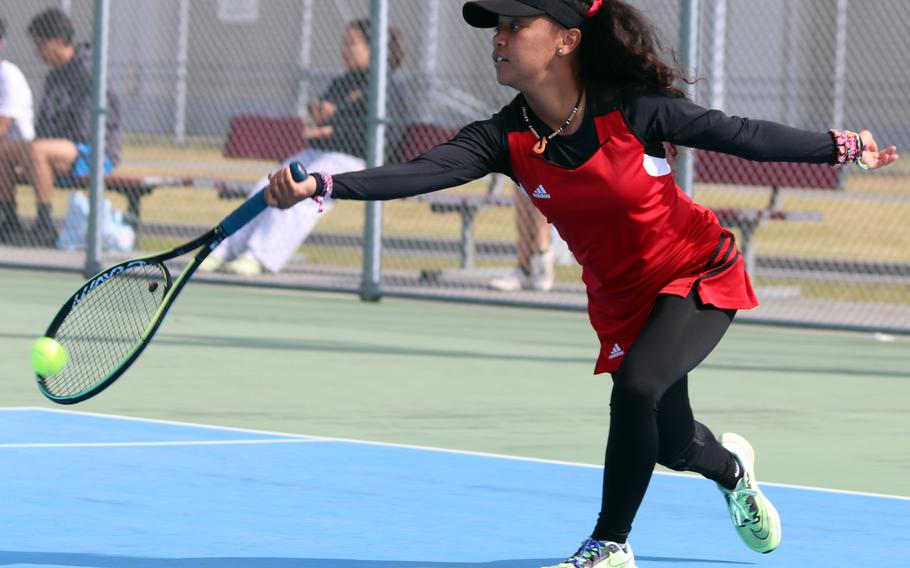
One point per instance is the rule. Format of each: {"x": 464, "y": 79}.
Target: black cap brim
{"x": 485, "y": 13}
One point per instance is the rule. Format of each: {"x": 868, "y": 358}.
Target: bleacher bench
{"x": 420, "y": 137}
{"x": 133, "y": 188}
{"x": 715, "y": 168}
{"x": 250, "y": 136}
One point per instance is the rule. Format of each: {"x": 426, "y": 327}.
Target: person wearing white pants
{"x": 270, "y": 240}
{"x": 336, "y": 136}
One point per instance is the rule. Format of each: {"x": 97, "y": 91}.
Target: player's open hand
{"x": 874, "y": 158}
{"x": 283, "y": 192}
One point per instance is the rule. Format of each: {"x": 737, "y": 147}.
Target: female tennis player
{"x": 584, "y": 138}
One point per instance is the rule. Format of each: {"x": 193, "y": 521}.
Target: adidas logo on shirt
{"x": 541, "y": 193}
{"x": 616, "y": 352}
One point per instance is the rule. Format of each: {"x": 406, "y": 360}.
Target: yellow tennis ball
{"x": 48, "y": 356}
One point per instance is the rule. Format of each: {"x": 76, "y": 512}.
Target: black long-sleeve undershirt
{"x": 481, "y": 147}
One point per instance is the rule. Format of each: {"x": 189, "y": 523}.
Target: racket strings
{"x": 106, "y": 326}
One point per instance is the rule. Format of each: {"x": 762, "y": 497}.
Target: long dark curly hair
{"x": 620, "y": 46}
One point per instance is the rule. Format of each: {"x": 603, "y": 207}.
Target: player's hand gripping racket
{"x": 111, "y": 318}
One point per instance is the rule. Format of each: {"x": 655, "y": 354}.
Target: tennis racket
{"x": 107, "y": 323}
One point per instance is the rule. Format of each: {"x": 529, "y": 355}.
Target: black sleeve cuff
{"x": 320, "y": 185}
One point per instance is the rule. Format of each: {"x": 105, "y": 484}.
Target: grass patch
{"x": 841, "y": 291}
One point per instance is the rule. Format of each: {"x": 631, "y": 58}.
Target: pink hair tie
{"x": 595, "y": 7}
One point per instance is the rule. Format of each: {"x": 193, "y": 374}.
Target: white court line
{"x": 164, "y": 443}
{"x": 439, "y": 450}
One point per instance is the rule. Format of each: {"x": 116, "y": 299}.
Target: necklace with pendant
{"x": 541, "y": 143}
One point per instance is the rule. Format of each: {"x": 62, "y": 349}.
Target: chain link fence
{"x": 213, "y": 94}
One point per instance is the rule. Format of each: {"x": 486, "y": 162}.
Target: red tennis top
{"x": 608, "y": 190}
{"x": 634, "y": 232}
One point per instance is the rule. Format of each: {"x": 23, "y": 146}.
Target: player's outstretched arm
{"x": 476, "y": 150}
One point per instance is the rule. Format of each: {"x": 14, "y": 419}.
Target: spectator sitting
{"x": 17, "y": 123}
{"x": 61, "y": 147}
{"x": 336, "y": 133}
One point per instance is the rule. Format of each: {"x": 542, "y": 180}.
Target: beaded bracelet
{"x": 840, "y": 145}
{"x": 852, "y": 149}
{"x": 326, "y": 193}
{"x": 849, "y": 148}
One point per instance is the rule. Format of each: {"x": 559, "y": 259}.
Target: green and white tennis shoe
{"x": 754, "y": 517}
{"x": 600, "y": 554}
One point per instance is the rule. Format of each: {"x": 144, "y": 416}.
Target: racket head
{"x": 105, "y": 325}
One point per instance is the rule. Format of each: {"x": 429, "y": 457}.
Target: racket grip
{"x": 256, "y": 204}
{"x": 298, "y": 172}
{"x": 245, "y": 213}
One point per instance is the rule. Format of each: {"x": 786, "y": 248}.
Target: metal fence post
{"x": 305, "y": 58}
{"x": 840, "y": 64}
{"x": 718, "y": 55}
{"x": 183, "y": 42}
{"x": 94, "y": 252}
{"x": 370, "y": 285}
{"x": 689, "y": 27}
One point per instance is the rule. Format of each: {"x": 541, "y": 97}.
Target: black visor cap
{"x": 486, "y": 13}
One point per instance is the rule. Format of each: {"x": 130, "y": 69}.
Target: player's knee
{"x": 639, "y": 378}
{"x": 634, "y": 392}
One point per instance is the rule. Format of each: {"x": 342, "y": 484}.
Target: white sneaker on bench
{"x": 540, "y": 276}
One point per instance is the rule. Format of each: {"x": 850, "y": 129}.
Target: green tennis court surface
{"x": 823, "y": 409}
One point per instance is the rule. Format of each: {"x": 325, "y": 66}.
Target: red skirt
{"x": 618, "y": 320}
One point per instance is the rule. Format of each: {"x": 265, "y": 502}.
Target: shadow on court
{"x": 8, "y": 558}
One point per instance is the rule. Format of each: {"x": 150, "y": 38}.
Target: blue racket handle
{"x": 256, "y": 204}
{"x": 245, "y": 213}
{"x": 298, "y": 172}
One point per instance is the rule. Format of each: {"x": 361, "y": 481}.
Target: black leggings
{"x": 651, "y": 420}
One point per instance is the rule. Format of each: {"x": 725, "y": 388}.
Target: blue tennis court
{"x": 106, "y": 491}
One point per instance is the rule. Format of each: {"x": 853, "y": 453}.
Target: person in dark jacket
{"x": 61, "y": 150}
